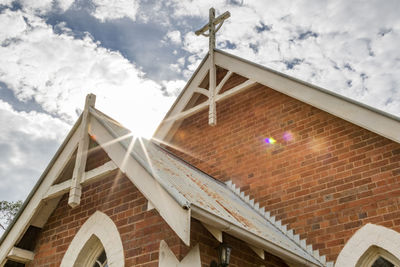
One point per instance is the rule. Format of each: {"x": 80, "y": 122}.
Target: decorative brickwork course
{"x": 324, "y": 177}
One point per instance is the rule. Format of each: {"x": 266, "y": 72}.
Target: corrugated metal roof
{"x": 190, "y": 186}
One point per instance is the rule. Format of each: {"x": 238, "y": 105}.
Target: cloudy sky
{"x": 137, "y": 55}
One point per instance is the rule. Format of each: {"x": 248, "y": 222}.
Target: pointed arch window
{"x": 101, "y": 260}
{"x": 371, "y": 246}
{"x": 382, "y": 262}
{"x": 378, "y": 257}
{"x": 97, "y": 244}
{"x": 92, "y": 254}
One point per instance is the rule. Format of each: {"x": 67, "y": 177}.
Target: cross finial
{"x": 214, "y": 24}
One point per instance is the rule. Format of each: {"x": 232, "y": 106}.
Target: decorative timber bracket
{"x": 212, "y": 27}
{"x": 80, "y": 163}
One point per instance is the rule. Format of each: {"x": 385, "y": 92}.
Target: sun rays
{"x": 126, "y": 138}
{"x": 175, "y": 147}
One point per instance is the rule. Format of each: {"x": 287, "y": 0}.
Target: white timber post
{"x": 80, "y": 163}
{"x": 212, "y": 113}
{"x": 212, "y": 30}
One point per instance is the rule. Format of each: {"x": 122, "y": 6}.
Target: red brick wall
{"x": 141, "y": 230}
{"x": 325, "y": 177}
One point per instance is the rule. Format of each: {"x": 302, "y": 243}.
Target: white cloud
{"x": 40, "y": 6}
{"x": 115, "y": 9}
{"x": 174, "y": 37}
{"x": 181, "y": 61}
{"x": 64, "y": 4}
{"x": 58, "y": 71}
{"x": 197, "y": 8}
{"x": 342, "y": 43}
{"x": 174, "y": 87}
{"x": 337, "y": 44}
{"x": 175, "y": 67}
{"x": 27, "y": 141}
{"x": 196, "y": 45}
{"x": 15, "y": 25}
{"x": 6, "y": 2}
{"x": 34, "y": 124}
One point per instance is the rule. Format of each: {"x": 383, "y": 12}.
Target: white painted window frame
{"x": 90, "y": 252}
{"x": 367, "y": 244}
{"x": 373, "y": 253}
{"x": 100, "y": 226}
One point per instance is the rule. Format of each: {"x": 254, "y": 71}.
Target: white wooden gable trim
{"x": 91, "y": 176}
{"x": 178, "y": 107}
{"x": 21, "y": 255}
{"x": 355, "y": 113}
{"x": 359, "y": 114}
{"x": 177, "y": 217}
{"x": 46, "y": 195}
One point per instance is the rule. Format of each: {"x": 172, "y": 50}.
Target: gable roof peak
{"x": 372, "y": 119}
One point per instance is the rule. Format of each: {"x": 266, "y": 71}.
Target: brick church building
{"x": 275, "y": 170}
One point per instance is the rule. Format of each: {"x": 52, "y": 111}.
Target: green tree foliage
{"x": 8, "y": 209}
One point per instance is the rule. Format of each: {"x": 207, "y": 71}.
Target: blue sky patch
{"x": 262, "y": 27}
{"x": 307, "y": 34}
{"x": 290, "y": 64}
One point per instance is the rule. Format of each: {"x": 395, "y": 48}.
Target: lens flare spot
{"x": 287, "y": 136}
{"x": 270, "y": 140}
{"x": 181, "y": 135}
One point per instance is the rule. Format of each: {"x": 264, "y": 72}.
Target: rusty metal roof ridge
{"x": 278, "y": 224}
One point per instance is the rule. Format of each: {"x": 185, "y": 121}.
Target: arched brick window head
{"x": 97, "y": 244}
{"x": 371, "y": 246}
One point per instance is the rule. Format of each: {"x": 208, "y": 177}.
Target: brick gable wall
{"x": 141, "y": 230}
{"x": 116, "y": 196}
{"x": 325, "y": 177}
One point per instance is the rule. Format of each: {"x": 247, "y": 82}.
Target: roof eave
{"x": 386, "y": 114}
{"x": 249, "y": 237}
{"x": 365, "y": 116}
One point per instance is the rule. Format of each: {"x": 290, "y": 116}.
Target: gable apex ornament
{"x": 213, "y": 25}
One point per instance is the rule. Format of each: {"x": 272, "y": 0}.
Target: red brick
{"x": 141, "y": 230}
{"x": 355, "y": 166}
